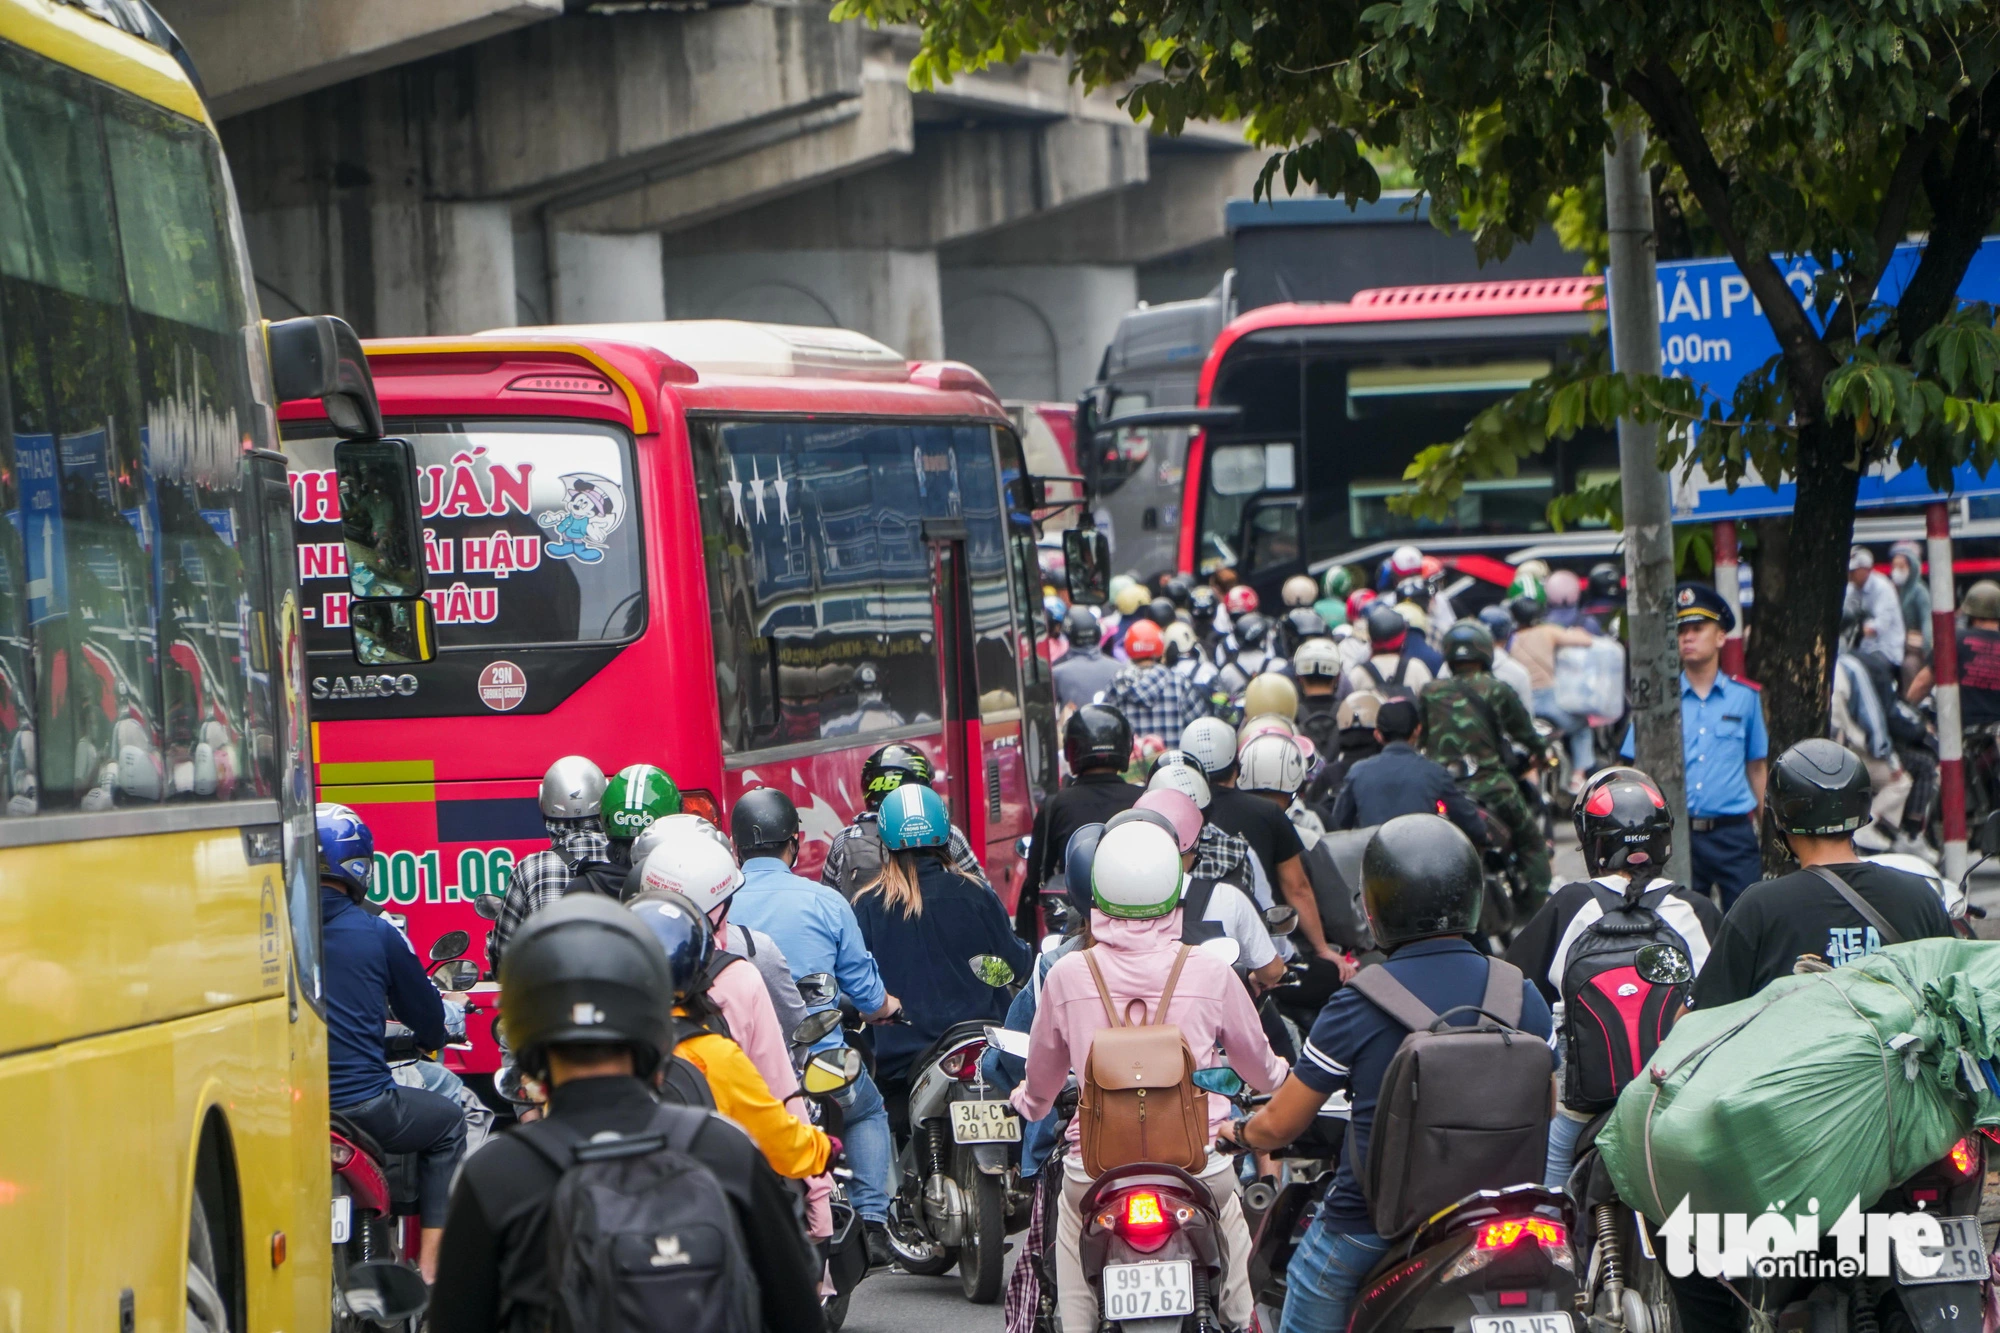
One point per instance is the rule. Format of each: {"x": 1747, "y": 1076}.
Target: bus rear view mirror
{"x": 1087, "y": 566}
{"x": 398, "y": 631}
{"x": 381, "y": 521}
{"x": 319, "y": 356}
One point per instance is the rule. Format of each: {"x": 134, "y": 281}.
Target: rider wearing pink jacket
{"x": 1136, "y": 924}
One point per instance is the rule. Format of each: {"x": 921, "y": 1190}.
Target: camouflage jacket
{"x": 1459, "y": 732}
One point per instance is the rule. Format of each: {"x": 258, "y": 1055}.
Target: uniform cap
{"x": 1694, "y": 602}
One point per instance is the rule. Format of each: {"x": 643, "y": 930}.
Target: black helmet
{"x": 1082, "y": 627}
{"x": 584, "y": 971}
{"x": 1161, "y": 612}
{"x": 887, "y": 769}
{"x": 1623, "y": 823}
{"x": 1415, "y": 589}
{"x": 1179, "y": 589}
{"x": 1468, "y": 641}
{"x": 1819, "y": 788}
{"x": 764, "y": 820}
{"x": 1420, "y": 876}
{"x": 1252, "y": 628}
{"x": 1095, "y": 736}
{"x": 1385, "y": 626}
{"x": 1202, "y": 603}
{"x": 1306, "y": 623}
{"x": 1525, "y": 610}
{"x": 1605, "y": 579}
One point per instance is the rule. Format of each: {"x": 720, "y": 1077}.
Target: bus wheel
{"x": 206, "y": 1312}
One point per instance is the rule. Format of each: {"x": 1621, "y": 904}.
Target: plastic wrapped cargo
{"x": 1590, "y": 682}
{"x": 1833, "y": 1086}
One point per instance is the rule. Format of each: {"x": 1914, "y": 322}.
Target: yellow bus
{"x": 163, "y": 1117}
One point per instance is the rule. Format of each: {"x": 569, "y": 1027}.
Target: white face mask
{"x": 1900, "y": 572}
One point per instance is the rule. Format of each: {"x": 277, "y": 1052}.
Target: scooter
{"x": 1497, "y": 1261}
{"x": 844, "y": 1254}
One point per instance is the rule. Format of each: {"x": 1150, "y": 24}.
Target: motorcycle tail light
{"x": 961, "y": 1062}
{"x": 343, "y": 1153}
{"x": 1142, "y": 1221}
{"x": 1506, "y": 1234}
{"x": 1964, "y": 1158}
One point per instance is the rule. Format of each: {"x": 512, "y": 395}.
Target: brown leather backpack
{"x": 1139, "y": 1102}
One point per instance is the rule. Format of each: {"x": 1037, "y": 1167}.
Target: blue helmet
{"x": 1077, "y": 859}
{"x": 682, "y": 931}
{"x": 912, "y": 817}
{"x": 346, "y": 847}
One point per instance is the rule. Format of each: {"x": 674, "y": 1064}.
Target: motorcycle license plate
{"x": 1557, "y": 1322}
{"x": 1964, "y": 1258}
{"x": 1148, "y": 1291}
{"x": 984, "y": 1122}
{"x": 343, "y": 1218}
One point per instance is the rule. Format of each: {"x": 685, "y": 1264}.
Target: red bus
{"x": 1332, "y": 402}
{"x": 749, "y": 554}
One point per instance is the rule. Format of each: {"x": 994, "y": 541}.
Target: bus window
{"x": 1236, "y": 474}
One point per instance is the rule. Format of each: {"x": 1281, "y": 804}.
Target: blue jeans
{"x": 1575, "y": 730}
{"x": 1324, "y": 1275}
{"x": 869, "y": 1152}
{"x": 1563, "y": 1134}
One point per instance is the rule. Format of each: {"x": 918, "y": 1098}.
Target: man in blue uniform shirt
{"x": 1724, "y": 749}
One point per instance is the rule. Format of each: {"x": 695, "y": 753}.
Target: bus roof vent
{"x": 1447, "y": 295}
{"x": 738, "y": 347}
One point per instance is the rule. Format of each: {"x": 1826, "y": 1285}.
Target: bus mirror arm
{"x": 319, "y": 356}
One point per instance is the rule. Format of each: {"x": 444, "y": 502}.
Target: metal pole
{"x": 1944, "y": 665}
{"x": 1649, "y": 533}
{"x": 1731, "y": 587}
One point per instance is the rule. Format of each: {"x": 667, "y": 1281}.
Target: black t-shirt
{"x": 1090, "y": 798}
{"x": 1777, "y": 920}
{"x": 1979, "y": 676}
{"x": 1259, "y": 822}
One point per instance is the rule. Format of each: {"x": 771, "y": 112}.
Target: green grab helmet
{"x": 634, "y": 798}
{"x": 1527, "y": 585}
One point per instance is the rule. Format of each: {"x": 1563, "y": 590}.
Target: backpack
{"x": 1482, "y": 1121}
{"x": 641, "y": 1234}
{"x": 599, "y": 877}
{"x": 683, "y": 1084}
{"x": 1195, "y": 925}
{"x": 863, "y": 859}
{"x": 1139, "y": 1102}
{"x": 1387, "y": 689}
{"x": 1613, "y": 1018}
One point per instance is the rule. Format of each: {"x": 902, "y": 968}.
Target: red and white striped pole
{"x": 1944, "y": 667}
{"x": 1730, "y": 585}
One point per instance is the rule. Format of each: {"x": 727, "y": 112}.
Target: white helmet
{"x": 573, "y": 788}
{"x": 1272, "y": 762}
{"x": 1137, "y": 872}
{"x": 1406, "y": 560}
{"x": 1300, "y": 590}
{"x": 1317, "y": 657}
{"x": 1184, "y": 778}
{"x": 1210, "y": 742}
{"x": 694, "y": 865}
{"x": 1264, "y": 724}
{"x": 660, "y": 830}
{"x": 1180, "y": 634}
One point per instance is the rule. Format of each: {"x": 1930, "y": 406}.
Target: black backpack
{"x": 863, "y": 857}
{"x": 1397, "y": 687}
{"x": 1613, "y": 1018}
{"x": 1195, "y": 925}
{"x": 641, "y": 1234}
{"x": 599, "y": 877}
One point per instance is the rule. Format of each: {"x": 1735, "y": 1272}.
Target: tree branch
{"x": 1963, "y": 202}
{"x": 1919, "y": 150}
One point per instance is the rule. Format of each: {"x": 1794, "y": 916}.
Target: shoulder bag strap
{"x": 1859, "y": 904}
{"x": 551, "y": 1140}
{"x": 1403, "y": 661}
{"x": 1503, "y": 992}
{"x": 1392, "y": 997}
{"x": 1173, "y": 977}
{"x": 1368, "y": 665}
{"x": 680, "y": 1126}
{"x": 1103, "y": 992}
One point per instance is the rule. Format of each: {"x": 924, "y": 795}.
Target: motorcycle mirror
{"x": 461, "y": 975}
{"x": 817, "y": 988}
{"x": 385, "y": 1294}
{"x": 992, "y": 969}
{"x": 1007, "y": 1041}
{"x": 487, "y": 905}
{"x": 1060, "y": 916}
{"x": 830, "y": 1071}
{"x": 1662, "y": 965}
{"x": 449, "y": 945}
{"x": 1023, "y": 845}
{"x": 1282, "y": 919}
{"x": 815, "y": 1027}
{"x": 1222, "y": 949}
{"x": 1221, "y": 1080}
{"x": 1989, "y": 834}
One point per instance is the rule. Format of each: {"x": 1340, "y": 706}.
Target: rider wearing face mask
{"x": 1136, "y": 885}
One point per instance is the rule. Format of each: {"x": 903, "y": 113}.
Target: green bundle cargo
{"x": 1831, "y": 1086}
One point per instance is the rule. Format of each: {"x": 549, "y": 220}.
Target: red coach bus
{"x": 1333, "y": 401}
{"x": 747, "y": 553}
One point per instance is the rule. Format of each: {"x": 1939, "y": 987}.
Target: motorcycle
{"x": 843, "y": 1254}
{"x": 1497, "y": 1261}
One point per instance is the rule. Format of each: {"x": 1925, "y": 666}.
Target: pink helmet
{"x": 1179, "y": 810}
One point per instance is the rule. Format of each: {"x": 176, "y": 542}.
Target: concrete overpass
{"x": 449, "y": 165}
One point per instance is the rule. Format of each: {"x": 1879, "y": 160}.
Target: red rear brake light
{"x": 961, "y": 1062}
{"x": 1505, "y": 1235}
{"x": 695, "y": 801}
{"x": 1143, "y": 1221}
{"x": 1964, "y": 1159}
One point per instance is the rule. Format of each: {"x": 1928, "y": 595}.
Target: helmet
{"x": 1202, "y": 602}
{"x": 1317, "y": 657}
{"x": 1143, "y": 641}
{"x": 660, "y": 830}
{"x": 1982, "y": 601}
{"x": 1264, "y": 725}
{"x": 1081, "y": 627}
{"x": 634, "y": 798}
{"x": 1180, "y": 636}
{"x": 1078, "y": 855}
{"x": 1097, "y": 734}
{"x": 1415, "y": 617}
{"x": 1623, "y": 822}
{"x": 1563, "y": 588}
{"x": 1119, "y": 583}
{"x": 695, "y": 864}
{"x": 1527, "y": 583}
{"x": 1306, "y": 623}
{"x": 1337, "y": 582}
{"x": 889, "y": 768}
{"x": 346, "y": 846}
{"x": 1420, "y": 876}
{"x": 1468, "y": 641}
{"x": 763, "y": 821}
{"x": 1269, "y": 692}
{"x": 1272, "y": 762}
{"x": 1525, "y": 610}
{"x": 1357, "y": 602}
{"x": 914, "y": 817}
{"x": 1417, "y": 590}
{"x": 1385, "y": 628}
{"x": 1136, "y": 874}
{"x": 1184, "y": 778}
{"x": 1252, "y": 629}
{"x": 1536, "y": 568}
{"x": 1129, "y": 599}
{"x": 1405, "y": 561}
{"x": 1499, "y": 621}
{"x": 1210, "y": 742}
{"x": 1358, "y": 710}
{"x": 1179, "y": 588}
{"x": 682, "y": 931}
{"x": 1819, "y": 788}
{"x": 1179, "y": 810}
{"x": 1240, "y": 599}
{"x": 1161, "y": 612}
{"x": 573, "y": 788}
{"x": 1300, "y": 590}
{"x": 583, "y": 970}
{"x": 1605, "y": 579}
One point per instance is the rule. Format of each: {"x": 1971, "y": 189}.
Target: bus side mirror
{"x": 392, "y": 631}
{"x": 381, "y": 521}
{"x": 1087, "y": 566}
{"x": 319, "y": 356}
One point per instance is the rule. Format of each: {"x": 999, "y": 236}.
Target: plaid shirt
{"x": 1222, "y": 856}
{"x": 540, "y": 878}
{"x": 1156, "y": 700}
{"x": 960, "y": 851}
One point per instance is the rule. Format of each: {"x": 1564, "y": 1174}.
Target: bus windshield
{"x": 531, "y": 532}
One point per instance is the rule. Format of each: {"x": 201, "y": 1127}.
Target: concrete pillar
{"x": 602, "y": 278}
{"x": 891, "y": 295}
{"x": 1036, "y": 331}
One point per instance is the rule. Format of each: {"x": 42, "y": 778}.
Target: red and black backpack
{"x": 1613, "y": 1018}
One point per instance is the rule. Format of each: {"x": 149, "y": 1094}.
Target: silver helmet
{"x": 572, "y": 788}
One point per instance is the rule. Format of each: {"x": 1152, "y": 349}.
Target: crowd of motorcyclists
{"x": 661, "y": 977}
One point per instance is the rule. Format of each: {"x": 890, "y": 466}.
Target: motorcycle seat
{"x": 958, "y": 1034}
{"x": 359, "y": 1137}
